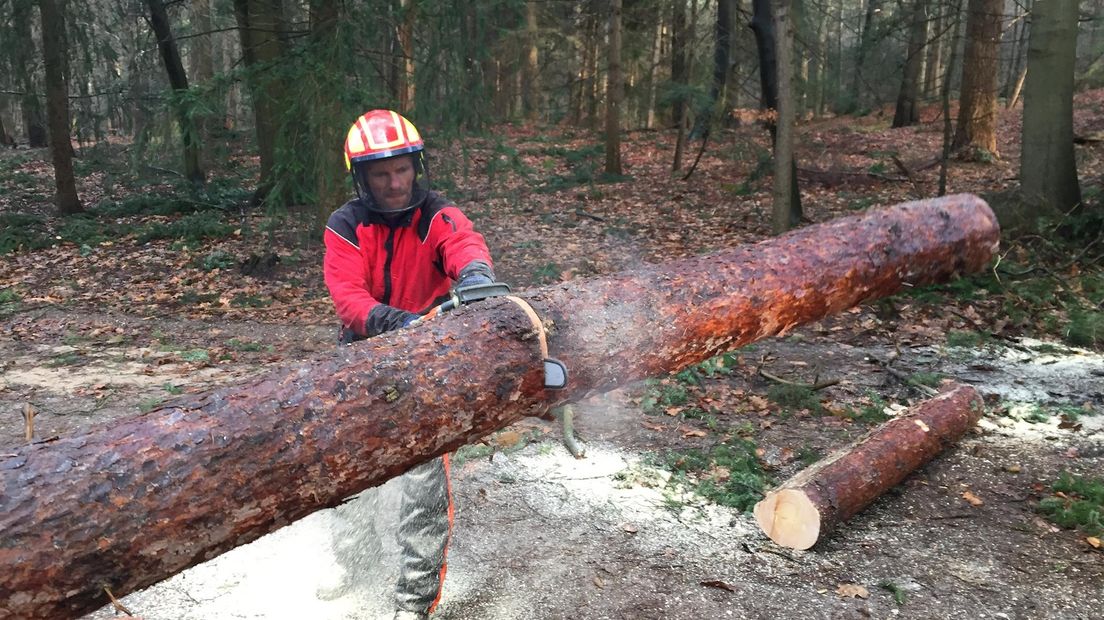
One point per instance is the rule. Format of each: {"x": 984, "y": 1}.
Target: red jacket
{"x": 408, "y": 264}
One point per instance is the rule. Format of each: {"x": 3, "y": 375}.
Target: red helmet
{"x": 380, "y": 134}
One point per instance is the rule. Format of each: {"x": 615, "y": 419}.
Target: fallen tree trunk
{"x": 829, "y": 492}
{"x": 129, "y": 504}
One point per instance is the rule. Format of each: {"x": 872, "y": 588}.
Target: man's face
{"x": 391, "y": 182}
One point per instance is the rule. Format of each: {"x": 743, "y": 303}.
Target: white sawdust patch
{"x": 126, "y": 367}
{"x": 626, "y": 494}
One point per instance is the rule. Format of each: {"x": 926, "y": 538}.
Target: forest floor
{"x": 157, "y": 293}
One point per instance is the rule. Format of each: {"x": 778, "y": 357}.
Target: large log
{"x": 827, "y": 493}
{"x": 131, "y": 503}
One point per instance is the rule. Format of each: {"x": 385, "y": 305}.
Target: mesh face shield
{"x": 359, "y": 171}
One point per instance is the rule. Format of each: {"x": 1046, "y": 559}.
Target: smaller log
{"x": 827, "y": 493}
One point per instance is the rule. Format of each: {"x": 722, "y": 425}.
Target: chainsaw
{"x": 555, "y": 371}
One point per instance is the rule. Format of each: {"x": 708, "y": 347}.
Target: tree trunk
{"x": 327, "y": 126}
{"x": 771, "y": 72}
{"x": 57, "y": 106}
{"x": 820, "y": 64}
{"x": 680, "y": 60}
{"x": 530, "y": 85}
{"x": 825, "y": 494}
{"x": 259, "y": 24}
{"x": 613, "y": 92}
{"x": 977, "y": 105}
{"x": 933, "y": 64}
{"x": 1017, "y": 90}
{"x": 128, "y": 504}
{"x": 945, "y": 95}
{"x": 406, "y": 44}
{"x": 657, "y": 47}
{"x": 170, "y": 55}
{"x": 786, "y": 209}
{"x": 594, "y": 87}
{"x": 1019, "y": 32}
{"x": 34, "y": 119}
{"x": 873, "y": 7}
{"x": 5, "y": 137}
{"x": 722, "y": 44}
{"x": 908, "y": 106}
{"x": 1048, "y": 168}
{"x": 201, "y": 67}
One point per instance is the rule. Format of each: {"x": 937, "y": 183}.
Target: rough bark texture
{"x": 132, "y": 503}
{"x": 977, "y": 106}
{"x": 614, "y": 91}
{"x": 178, "y": 80}
{"x": 846, "y": 482}
{"x": 54, "y": 48}
{"x": 908, "y": 104}
{"x": 1048, "y": 166}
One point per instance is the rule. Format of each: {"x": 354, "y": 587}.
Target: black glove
{"x": 473, "y": 280}
{"x": 474, "y": 273}
{"x": 384, "y": 318}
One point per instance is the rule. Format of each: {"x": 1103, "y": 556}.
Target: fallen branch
{"x": 116, "y": 603}
{"x": 805, "y": 508}
{"x": 903, "y": 378}
{"x": 582, "y": 213}
{"x": 817, "y": 386}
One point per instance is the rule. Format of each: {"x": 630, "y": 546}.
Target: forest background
{"x": 170, "y": 166}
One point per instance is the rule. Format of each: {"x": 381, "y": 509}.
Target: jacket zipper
{"x": 388, "y": 247}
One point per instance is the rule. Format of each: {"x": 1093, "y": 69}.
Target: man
{"x": 392, "y": 254}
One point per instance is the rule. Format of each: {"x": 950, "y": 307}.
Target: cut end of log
{"x": 790, "y": 518}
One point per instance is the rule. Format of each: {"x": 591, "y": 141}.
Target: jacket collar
{"x": 377, "y": 216}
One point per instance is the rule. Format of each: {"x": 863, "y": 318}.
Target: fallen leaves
{"x": 717, "y": 583}
{"x": 972, "y": 499}
{"x": 852, "y": 590}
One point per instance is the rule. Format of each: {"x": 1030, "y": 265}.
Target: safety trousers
{"x": 425, "y": 527}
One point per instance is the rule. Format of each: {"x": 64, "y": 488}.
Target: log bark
{"x": 131, "y": 503}
{"x": 809, "y": 505}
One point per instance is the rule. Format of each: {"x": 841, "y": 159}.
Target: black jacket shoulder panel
{"x": 345, "y": 220}
{"x": 429, "y": 209}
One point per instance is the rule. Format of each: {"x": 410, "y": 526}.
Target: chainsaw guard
{"x": 555, "y": 374}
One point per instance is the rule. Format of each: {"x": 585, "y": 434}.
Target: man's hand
{"x": 384, "y": 318}
{"x": 473, "y": 279}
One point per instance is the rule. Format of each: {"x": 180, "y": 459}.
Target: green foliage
{"x": 547, "y": 273}
{"x": 872, "y": 413}
{"x": 584, "y": 164}
{"x": 9, "y": 296}
{"x": 172, "y": 389}
{"x": 85, "y": 230}
{"x": 149, "y": 404}
{"x": 1085, "y": 328}
{"x": 195, "y": 227}
{"x": 661, "y": 396}
{"x": 195, "y": 355}
{"x": 1080, "y": 505}
{"x": 966, "y": 338}
{"x": 191, "y": 297}
{"x": 219, "y": 259}
{"x": 144, "y": 204}
{"x": 22, "y": 232}
{"x": 241, "y": 300}
{"x": 930, "y": 379}
{"x": 894, "y": 589}
{"x": 247, "y": 345}
{"x": 728, "y": 474}
{"x": 809, "y": 455}
{"x": 795, "y": 398}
